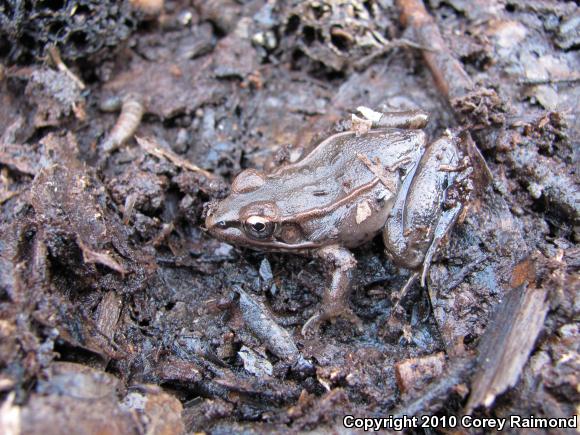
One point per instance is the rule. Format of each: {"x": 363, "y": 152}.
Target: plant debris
{"x": 120, "y": 314}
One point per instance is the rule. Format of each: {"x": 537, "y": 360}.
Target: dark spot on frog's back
{"x": 320, "y": 193}
{"x": 335, "y": 158}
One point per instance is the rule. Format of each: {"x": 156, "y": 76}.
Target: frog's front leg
{"x": 422, "y": 214}
{"x": 335, "y": 299}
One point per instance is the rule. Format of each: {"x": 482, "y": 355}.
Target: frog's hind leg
{"x": 425, "y": 208}
{"x": 444, "y": 224}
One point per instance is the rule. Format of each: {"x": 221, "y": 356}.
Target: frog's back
{"x": 335, "y": 167}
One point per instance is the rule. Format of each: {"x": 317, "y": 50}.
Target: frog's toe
{"x": 349, "y": 315}
{"x": 313, "y": 324}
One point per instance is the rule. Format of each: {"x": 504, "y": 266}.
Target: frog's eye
{"x": 259, "y": 227}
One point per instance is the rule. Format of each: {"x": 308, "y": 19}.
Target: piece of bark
{"x": 77, "y": 399}
{"x": 413, "y": 374}
{"x": 78, "y": 381}
{"x": 159, "y": 412}
{"x": 168, "y": 85}
{"x": 435, "y": 396}
{"x": 507, "y": 343}
{"x": 19, "y": 157}
{"x": 108, "y": 313}
{"x": 53, "y": 414}
{"x": 260, "y": 322}
{"x": 276, "y": 339}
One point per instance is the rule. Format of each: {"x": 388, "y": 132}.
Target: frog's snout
{"x": 219, "y": 220}
{"x": 212, "y": 219}
{"x": 213, "y": 222}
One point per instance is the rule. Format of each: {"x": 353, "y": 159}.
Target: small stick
{"x": 54, "y": 55}
{"x": 462, "y": 166}
{"x": 449, "y": 75}
{"x": 386, "y": 47}
{"x": 158, "y": 151}
{"x": 573, "y": 78}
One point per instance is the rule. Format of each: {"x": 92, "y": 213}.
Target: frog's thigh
{"x": 417, "y": 211}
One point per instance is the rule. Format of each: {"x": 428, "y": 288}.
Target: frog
{"x": 382, "y": 176}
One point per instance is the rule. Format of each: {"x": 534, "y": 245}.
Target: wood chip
{"x": 359, "y": 125}
{"x": 507, "y": 344}
{"x": 363, "y": 212}
{"x": 377, "y": 169}
{"x": 414, "y": 373}
{"x": 108, "y": 313}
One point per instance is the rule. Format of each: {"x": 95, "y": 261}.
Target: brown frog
{"x": 382, "y": 178}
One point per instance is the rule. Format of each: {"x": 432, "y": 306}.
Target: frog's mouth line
{"x": 236, "y": 236}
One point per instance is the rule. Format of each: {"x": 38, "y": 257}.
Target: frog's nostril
{"x": 211, "y": 222}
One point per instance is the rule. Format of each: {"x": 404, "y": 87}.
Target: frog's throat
{"x": 285, "y": 247}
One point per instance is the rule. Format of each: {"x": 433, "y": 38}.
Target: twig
{"x": 54, "y": 55}
{"x": 387, "y": 47}
{"x": 451, "y": 79}
{"x": 570, "y": 79}
{"x": 449, "y": 75}
{"x": 155, "y": 149}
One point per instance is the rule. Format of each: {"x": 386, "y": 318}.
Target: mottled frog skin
{"x": 350, "y": 187}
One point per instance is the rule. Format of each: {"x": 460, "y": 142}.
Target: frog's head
{"x": 249, "y": 217}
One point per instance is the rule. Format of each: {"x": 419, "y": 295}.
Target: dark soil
{"x": 120, "y": 314}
